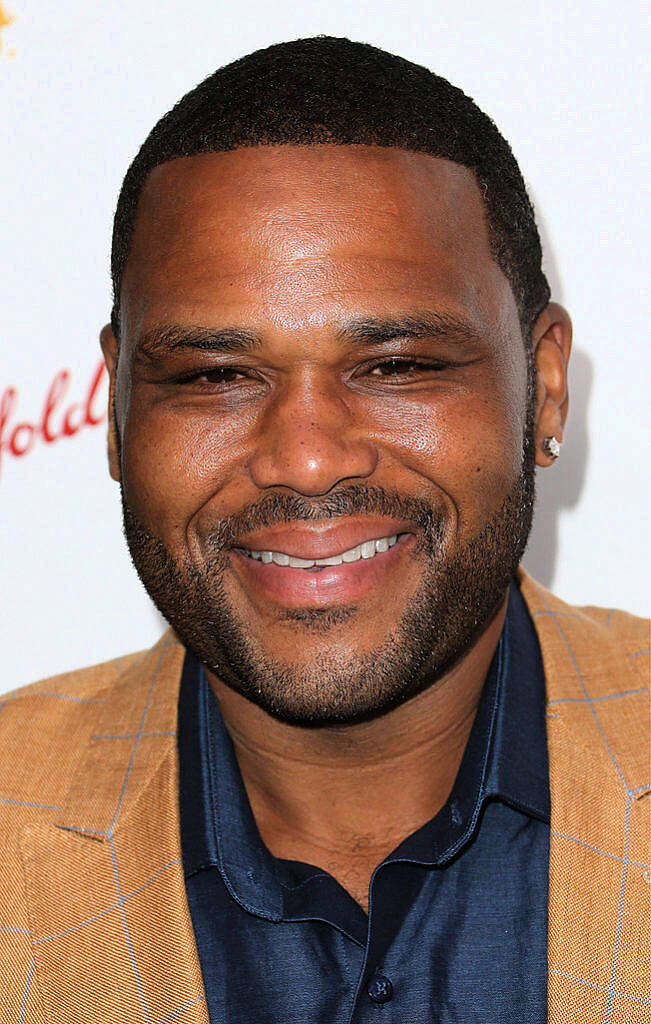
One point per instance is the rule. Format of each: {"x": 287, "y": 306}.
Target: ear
{"x": 109, "y": 346}
{"x": 551, "y": 338}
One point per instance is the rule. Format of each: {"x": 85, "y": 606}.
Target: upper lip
{"x": 325, "y": 539}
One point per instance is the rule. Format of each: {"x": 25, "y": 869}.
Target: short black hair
{"x": 330, "y": 90}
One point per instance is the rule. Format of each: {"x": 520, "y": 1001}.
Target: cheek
{"x": 467, "y": 444}
{"x": 175, "y": 461}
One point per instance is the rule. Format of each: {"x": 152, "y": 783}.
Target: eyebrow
{"x": 166, "y": 339}
{"x": 376, "y": 331}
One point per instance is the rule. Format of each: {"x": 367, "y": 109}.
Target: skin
{"x": 293, "y": 243}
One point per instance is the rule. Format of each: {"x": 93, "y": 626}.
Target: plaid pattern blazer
{"x": 94, "y": 923}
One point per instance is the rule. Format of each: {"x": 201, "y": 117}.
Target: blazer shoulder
{"x": 46, "y": 726}
{"x": 605, "y": 649}
{"x": 80, "y": 684}
{"x": 612, "y": 625}
{"x": 621, "y": 625}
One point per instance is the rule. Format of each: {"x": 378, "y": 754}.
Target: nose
{"x": 309, "y": 441}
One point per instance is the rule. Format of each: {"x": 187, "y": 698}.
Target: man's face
{"x": 318, "y": 353}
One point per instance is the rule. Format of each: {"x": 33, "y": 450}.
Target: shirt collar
{"x": 505, "y": 758}
{"x": 217, "y": 825}
{"x": 518, "y": 769}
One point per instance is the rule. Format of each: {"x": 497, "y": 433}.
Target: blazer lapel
{"x": 112, "y": 936}
{"x": 596, "y": 713}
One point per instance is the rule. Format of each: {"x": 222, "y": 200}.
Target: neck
{"x": 323, "y": 795}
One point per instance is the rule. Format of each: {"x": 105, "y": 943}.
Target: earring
{"x": 551, "y": 447}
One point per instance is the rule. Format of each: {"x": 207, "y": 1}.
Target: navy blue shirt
{"x": 457, "y": 925}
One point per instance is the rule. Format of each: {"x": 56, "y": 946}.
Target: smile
{"x": 336, "y": 577}
{"x": 367, "y": 549}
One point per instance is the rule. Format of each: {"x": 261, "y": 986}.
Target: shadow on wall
{"x": 560, "y": 486}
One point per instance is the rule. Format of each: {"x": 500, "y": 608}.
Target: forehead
{"x": 287, "y": 232}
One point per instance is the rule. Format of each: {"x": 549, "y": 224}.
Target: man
{"x": 326, "y": 794}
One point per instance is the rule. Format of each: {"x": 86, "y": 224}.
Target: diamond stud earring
{"x": 551, "y": 447}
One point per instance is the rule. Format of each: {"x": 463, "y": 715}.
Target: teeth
{"x": 353, "y": 555}
{"x": 368, "y": 549}
{"x": 333, "y": 560}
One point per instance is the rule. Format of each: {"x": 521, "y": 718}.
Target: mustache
{"x": 356, "y": 499}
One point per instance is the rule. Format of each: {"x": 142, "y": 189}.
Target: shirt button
{"x": 380, "y": 988}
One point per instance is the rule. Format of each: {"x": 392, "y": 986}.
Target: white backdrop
{"x": 80, "y": 86}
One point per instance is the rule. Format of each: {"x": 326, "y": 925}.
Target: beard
{"x": 332, "y": 682}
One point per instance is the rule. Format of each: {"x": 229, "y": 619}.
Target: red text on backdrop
{"x": 59, "y": 418}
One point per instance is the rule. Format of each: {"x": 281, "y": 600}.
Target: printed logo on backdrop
{"x": 6, "y": 19}
{"x": 68, "y": 407}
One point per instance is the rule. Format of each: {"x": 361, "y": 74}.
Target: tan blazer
{"x": 94, "y": 923}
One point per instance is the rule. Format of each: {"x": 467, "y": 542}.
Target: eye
{"x": 214, "y": 375}
{"x": 402, "y": 367}
{"x": 221, "y": 375}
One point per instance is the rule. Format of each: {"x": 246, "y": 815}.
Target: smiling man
{"x": 325, "y": 794}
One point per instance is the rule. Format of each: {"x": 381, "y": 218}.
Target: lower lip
{"x": 333, "y": 584}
